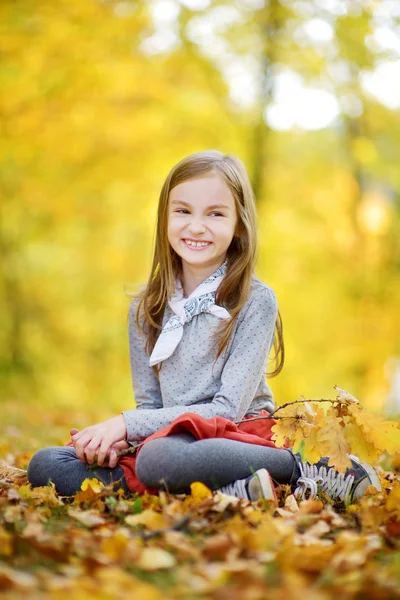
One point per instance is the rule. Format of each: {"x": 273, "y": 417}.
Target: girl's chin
{"x": 210, "y": 263}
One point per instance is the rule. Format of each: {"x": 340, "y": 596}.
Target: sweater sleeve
{"x": 146, "y": 386}
{"x": 243, "y": 371}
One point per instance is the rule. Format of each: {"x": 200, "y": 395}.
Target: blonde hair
{"x": 234, "y": 289}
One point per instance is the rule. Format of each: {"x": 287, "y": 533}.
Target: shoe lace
{"x": 237, "y": 489}
{"x": 334, "y": 483}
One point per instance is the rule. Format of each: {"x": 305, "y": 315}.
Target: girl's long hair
{"x": 234, "y": 289}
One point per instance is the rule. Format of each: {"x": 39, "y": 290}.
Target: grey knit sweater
{"x": 189, "y": 381}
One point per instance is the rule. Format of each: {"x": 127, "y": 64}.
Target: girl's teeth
{"x": 196, "y": 243}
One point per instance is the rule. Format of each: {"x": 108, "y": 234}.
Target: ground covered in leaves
{"x": 100, "y": 544}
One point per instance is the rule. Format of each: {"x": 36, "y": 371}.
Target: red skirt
{"x": 251, "y": 432}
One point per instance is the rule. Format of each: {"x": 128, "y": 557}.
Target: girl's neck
{"x": 192, "y": 278}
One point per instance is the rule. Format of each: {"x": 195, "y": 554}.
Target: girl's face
{"x": 202, "y": 220}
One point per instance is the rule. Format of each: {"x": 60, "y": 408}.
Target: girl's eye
{"x": 185, "y": 211}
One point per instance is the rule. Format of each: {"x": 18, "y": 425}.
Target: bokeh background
{"x": 101, "y": 98}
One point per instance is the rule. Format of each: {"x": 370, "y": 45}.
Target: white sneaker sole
{"x": 261, "y": 487}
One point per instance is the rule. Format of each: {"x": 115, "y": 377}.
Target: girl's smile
{"x": 196, "y": 244}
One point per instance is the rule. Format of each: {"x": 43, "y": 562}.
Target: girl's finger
{"x": 77, "y": 435}
{"x": 103, "y": 451}
{"x": 80, "y": 446}
{"x": 73, "y": 431}
{"x": 91, "y": 450}
{"x": 113, "y": 458}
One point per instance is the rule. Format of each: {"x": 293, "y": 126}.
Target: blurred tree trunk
{"x": 270, "y": 21}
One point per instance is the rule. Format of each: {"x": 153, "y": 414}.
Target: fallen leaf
{"x": 199, "y": 491}
{"x": 153, "y": 559}
{"x": 218, "y": 546}
{"x": 393, "y": 500}
{"x": 148, "y": 518}
{"x": 6, "y": 543}
{"x": 311, "y": 506}
{"x": 9, "y": 474}
{"x": 291, "y": 504}
{"x": 115, "y": 545}
{"x": 46, "y": 495}
{"x": 14, "y": 578}
{"x": 89, "y": 518}
{"x": 94, "y": 484}
{"x": 34, "y": 530}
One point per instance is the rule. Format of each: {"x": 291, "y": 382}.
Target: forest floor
{"x": 102, "y": 545}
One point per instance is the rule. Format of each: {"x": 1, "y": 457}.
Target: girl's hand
{"x": 99, "y": 440}
{"x": 112, "y": 453}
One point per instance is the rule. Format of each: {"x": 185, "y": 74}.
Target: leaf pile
{"x": 100, "y": 544}
{"x": 103, "y": 545}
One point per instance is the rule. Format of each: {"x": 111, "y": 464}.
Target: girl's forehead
{"x": 210, "y": 186}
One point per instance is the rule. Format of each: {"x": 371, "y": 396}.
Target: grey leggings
{"x": 171, "y": 463}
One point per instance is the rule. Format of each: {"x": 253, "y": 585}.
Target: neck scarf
{"x": 201, "y": 300}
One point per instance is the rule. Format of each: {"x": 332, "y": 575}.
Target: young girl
{"x": 200, "y": 334}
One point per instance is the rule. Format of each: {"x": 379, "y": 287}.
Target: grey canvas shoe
{"x": 346, "y": 486}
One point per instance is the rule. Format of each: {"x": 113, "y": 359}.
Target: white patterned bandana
{"x": 201, "y": 300}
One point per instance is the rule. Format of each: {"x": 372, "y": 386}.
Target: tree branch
{"x": 272, "y": 415}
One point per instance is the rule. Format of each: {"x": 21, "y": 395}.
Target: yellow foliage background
{"x": 93, "y": 116}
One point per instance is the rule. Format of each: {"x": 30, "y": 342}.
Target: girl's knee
{"x": 150, "y": 467}
{"x": 44, "y": 464}
{"x": 161, "y": 463}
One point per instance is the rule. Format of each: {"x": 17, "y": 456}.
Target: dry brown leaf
{"x": 15, "y": 578}
{"x": 89, "y": 518}
{"x": 291, "y": 504}
{"x": 12, "y": 475}
{"x": 217, "y": 547}
{"x": 310, "y": 507}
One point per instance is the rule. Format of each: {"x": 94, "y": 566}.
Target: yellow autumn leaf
{"x": 47, "y": 495}
{"x": 115, "y": 582}
{"x": 6, "y": 543}
{"x": 384, "y": 435}
{"x": 308, "y": 436}
{"x": 312, "y": 446}
{"x": 114, "y": 546}
{"x": 393, "y": 500}
{"x": 94, "y": 484}
{"x": 90, "y": 489}
{"x": 337, "y": 446}
{"x": 360, "y": 446}
{"x": 284, "y": 431}
{"x": 25, "y": 491}
{"x": 199, "y": 491}
{"x": 148, "y": 518}
{"x": 153, "y": 559}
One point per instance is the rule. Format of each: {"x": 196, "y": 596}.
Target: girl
{"x": 200, "y": 334}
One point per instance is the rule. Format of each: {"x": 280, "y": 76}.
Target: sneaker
{"x": 258, "y": 486}
{"x": 346, "y": 486}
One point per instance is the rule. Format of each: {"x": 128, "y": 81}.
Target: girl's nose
{"x": 197, "y": 226}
